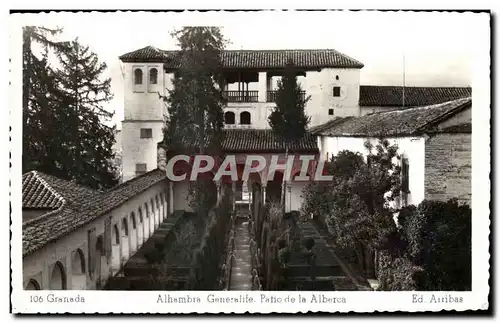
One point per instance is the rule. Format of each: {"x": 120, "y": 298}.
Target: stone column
{"x": 288, "y": 196}
{"x": 262, "y": 86}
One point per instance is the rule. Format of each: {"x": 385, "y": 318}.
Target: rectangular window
{"x": 405, "y": 181}
{"x": 330, "y": 112}
{"x": 140, "y": 169}
{"x": 146, "y": 133}
{"x": 336, "y": 91}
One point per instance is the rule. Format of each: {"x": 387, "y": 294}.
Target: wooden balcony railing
{"x": 271, "y": 96}
{"x": 242, "y": 96}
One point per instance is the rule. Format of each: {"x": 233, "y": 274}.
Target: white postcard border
{"x": 146, "y": 302}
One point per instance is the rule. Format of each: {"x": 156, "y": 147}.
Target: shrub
{"x": 397, "y": 273}
{"x": 432, "y": 251}
{"x": 438, "y": 237}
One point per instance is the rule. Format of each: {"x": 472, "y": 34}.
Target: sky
{"x": 436, "y": 47}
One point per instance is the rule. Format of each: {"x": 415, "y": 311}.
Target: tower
{"x": 144, "y": 110}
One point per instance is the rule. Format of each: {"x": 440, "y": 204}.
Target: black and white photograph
{"x": 249, "y": 162}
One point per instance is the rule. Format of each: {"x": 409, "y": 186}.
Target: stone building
{"x": 434, "y": 142}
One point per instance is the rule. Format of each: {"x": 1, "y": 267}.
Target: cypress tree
{"x": 288, "y": 119}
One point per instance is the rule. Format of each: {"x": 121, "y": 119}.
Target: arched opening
{"x": 132, "y": 217}
{"x": 33, "y": 285}
{"x": 133, "y": 234}
{"x": 100, "y": 262}
{"x": 140, "y": 229}
{"x": 229, "y": 117}
{"x": 153, "y": 76}
{"x": 138, "y": 76}
{"x": 78, "y": 262}
{"x": 147, "y": 222}
{"x": 152, "y": 217}
{"x": 115, "y": 250}
{"x": 124, "y": 243}
{"x": 245, "y": 118}
{"x": 58, "y": 277}
{"x": 298, "y": 185}
{"x": 163, "y": 207}
{"x": 274, "y": 188}
{"x": 116, "y": 235}
{"x": 78, "y": 277}
{"x": 157, "y": 211}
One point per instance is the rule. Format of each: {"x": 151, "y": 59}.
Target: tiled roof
{"x": 45, "y": 229}
{"x": 374, "y": 95}
{"x": 394, "y": 123}
{"x": 263, "y": 140}
{"x": 48, "y": 192}
{"x": 257, "y": 59}
{"x": 259, "y": 140}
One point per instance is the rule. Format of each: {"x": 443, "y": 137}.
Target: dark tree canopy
{"x": 289, "y": 119}
{"x": 64, "y": 130}
{"x": 195, "y": 105}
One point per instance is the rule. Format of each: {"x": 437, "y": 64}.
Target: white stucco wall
{"x": 412, "y": 148}
{"x": 320, "y": 86}
{"x": 138, "y": 150}
{"x": 38, "y": 266}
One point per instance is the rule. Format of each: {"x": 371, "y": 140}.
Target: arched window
{"x": 245, "y": 118}
{"x": 229, "y": 117}
{"x": 116, "y": 233}
{"x": 138, "y": 76}
{"x": 125, "y": 226}
{"x": 58, "y": 277}
{"x": 78, "y": 262}
{"x": 133, "y": 220}
{"x": 153, "y": 76}
{"x": 33, "y": 285}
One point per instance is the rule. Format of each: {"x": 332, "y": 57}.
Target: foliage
{"x": 288, "y": 119}
{"x": 205, "y": 265}
{"x": 202, "y": 195}
{"x": 397, "y": 273}
{"x": 63, "y": 120}
{"x": 195, "y": 104}
{"x": 89, "y": 145}
{"x": 438, "y": 236}
{"x": 355, "y": 204}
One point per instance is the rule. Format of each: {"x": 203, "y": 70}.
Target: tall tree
{"x": 37, "y": 75}
{"x": 195, "y": 104}
{"x": 288, "y": 119}
{"x": 88, "y": 142}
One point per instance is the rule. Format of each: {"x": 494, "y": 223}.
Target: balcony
{"x": 271, "y": 96}
{"x": 242, "y": 96}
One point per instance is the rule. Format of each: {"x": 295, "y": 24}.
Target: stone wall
{"x": 448, "y": 166}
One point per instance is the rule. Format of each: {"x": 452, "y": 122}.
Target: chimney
{"x": 162, "y": 157}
